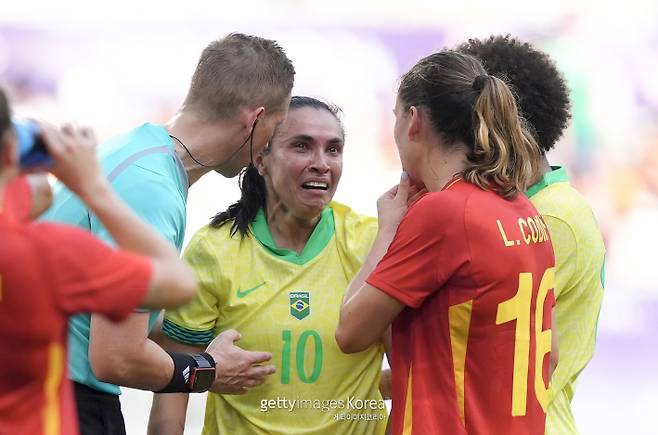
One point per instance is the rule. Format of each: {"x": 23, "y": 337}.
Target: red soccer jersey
{"x": 472, "y": 268}
{"x": 47, "y": 273}
{"x": 18, "y": 194}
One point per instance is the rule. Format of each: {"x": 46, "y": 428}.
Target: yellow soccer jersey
{"x": 579, "y": 280}
{"x": 286, "y": 304}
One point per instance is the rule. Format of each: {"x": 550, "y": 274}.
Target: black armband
{"x": 193, "y": 373}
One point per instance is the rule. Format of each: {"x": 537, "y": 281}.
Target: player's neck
{"x": 544, "y": 165}
{"x": 207, "y": 142}
{"x": 543, "y": 168}
{"x": 5, "y": 179}
{"x": 288, "y": 230}
{"x": 6, "y": 176}
{"x": 441, "y": 167}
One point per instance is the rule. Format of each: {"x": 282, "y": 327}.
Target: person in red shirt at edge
{"x": 49, "y": 272}
{"x": 40, "y": 195}
{"x": 466, "y": 277}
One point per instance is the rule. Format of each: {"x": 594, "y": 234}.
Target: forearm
{"x": 377, "y": 252}
{"x": 42, "y": 194}
{"x": 127, "y": 229}
{"x": 168, "y": 411}
{"x": 365, "y": 318}
{"x": 364, "y": 312}
{"x": 388, "y": 345}
{"x": 385, "y": 384}
{"x": 121, "y": 354}
{"x": 168, "y": 414}
{"x": 172, "y": 283}
{"x": 149, "y": 368}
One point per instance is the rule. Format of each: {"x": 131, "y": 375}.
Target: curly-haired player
{"x": 542, "y": 94}
{"x": 543, "y": 99}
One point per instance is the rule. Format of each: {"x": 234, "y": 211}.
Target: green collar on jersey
{"x": 557, "y": 175}
{"x": 320, "y": 237}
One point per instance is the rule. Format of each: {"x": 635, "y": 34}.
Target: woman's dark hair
{"x": 252, "y": 184}
{"x": 543, "y": 95}
{"x": 466, "y": 105}
{"x": 5, "y": 116}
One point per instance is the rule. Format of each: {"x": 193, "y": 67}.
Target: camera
{"x": 32, "y": 150}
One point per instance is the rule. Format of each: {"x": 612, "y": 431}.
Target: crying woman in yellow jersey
{"x": 274, "y": 266}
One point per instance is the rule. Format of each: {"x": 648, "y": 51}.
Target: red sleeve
{"x": 18, "y": 198}
{"x": 428, "y": 248}
{"x": 88, "y": 275}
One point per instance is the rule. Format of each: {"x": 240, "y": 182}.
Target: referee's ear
{"x": 260, "y": 165}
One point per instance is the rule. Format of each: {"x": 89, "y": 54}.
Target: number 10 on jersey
{"x": 300, "y": 353}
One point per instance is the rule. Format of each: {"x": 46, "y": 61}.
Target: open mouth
{"x": 315, "y": 185}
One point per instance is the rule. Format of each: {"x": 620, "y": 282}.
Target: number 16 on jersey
{"x": 519, "y": 309}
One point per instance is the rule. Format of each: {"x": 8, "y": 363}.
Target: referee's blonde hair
{"x": 240, "y": 70}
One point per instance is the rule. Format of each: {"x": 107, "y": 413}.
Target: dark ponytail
{"x": 5, "y": 117}
{"x": 252, "y": 188}
{"x": 504, "y": 156}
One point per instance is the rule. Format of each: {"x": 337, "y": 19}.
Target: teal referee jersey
{"x": 146, "y": 173}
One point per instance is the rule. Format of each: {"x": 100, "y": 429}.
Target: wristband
{"x": 193, "y": 373}
{"x": 203, "y": 375}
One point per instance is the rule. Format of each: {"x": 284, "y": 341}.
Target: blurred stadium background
{"x": 114, "y": 65}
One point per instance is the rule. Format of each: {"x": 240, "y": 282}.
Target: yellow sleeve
{"x": 355, "y": 234}
{"x": 194, "y": 323}
{"x": 579, "y": 293}
{"x": 566, "y": 254}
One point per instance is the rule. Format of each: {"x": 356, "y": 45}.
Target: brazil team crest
{"x": 300, "y": 304}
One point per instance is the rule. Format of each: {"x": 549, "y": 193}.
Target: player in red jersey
{"x": 466, "y": 279}
{"x": 48, "y": 272}
{"x": 40, "y": 194}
